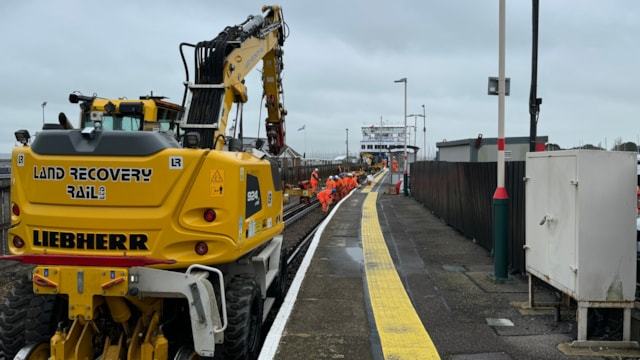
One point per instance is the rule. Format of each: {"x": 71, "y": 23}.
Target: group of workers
{"x": 336, "y": 187}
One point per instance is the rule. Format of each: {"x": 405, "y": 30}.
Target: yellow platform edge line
{"x": 402, "y": 335}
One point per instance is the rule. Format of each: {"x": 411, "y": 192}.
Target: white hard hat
{"x": 316, "y": 169}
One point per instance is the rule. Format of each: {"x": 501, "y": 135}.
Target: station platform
{"x": 384, "y": 278}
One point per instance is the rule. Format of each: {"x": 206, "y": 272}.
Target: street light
{"x": 405, "y": 192}
{"x": 415, "y": 128}
{"x": 347, "y": 157}
{"x": 424, "y": 130}
{"x": 43, "y": 105}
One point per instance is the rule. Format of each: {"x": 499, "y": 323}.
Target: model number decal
{"x": 253, "y": 195}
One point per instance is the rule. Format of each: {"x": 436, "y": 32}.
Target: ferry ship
{"x": 381, "y": 143}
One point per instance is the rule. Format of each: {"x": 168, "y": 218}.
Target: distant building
{"x": 486, "y": 149}
{"x": 287, "y": 157}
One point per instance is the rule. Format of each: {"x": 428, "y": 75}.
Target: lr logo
{"x": 175, "y": 162}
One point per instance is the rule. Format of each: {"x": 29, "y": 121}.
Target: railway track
{"x": 297, "y": 211}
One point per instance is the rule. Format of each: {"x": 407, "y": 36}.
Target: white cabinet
{"x": 581, "y": 222}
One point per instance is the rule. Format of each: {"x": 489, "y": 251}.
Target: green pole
{"x": 500, "y": 234}
{"x": 405, "y": 178}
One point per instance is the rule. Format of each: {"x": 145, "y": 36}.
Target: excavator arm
{"x": 221, "y": 66}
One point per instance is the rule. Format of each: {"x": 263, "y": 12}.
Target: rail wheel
{"x": 34, "y": 352}
{"x": 244, "y": 314}
{"x": 13, "y": 311}
{"x": 185, "y": 353}
{"x": 278, "y": 288}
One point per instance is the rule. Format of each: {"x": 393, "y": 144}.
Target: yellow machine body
{"x": 150, "y": 206}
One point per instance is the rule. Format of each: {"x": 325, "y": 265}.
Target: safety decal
{"x": 216, "y": 182}
{"x": 20, "y": 160}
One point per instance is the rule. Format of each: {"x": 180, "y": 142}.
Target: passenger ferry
{"x": 384, "y": 142}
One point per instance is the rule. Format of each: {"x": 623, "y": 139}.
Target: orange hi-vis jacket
{"x": 330, "y": 184}
{"x": 324, "y": 196}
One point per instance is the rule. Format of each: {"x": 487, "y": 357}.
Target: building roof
{"x": 491, "y": 141}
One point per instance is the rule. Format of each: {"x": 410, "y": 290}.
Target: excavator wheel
{"x": 13, "y": 311}
{"x": 43, "y": 316}
{"x": 244, "y": 314}
{"x": 278, "y": 288}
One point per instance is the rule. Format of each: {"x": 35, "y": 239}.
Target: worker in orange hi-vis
{"x": 326, "y": 198}
{"x": 330, "y": 184}
{"x": 348, "y": 185}
{"x": 345, "y": 184}
{"x": 394, "y": 164}
{"x": 353, "y": 181}
{"x": 315, "y": 177}
{"x": 338, "y": 181}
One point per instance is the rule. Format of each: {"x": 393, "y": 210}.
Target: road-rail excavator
{"x": 152, "y": 234}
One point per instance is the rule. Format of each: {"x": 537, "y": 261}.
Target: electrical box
{"x": 581, "y": 224}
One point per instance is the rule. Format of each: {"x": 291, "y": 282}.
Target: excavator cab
{"x": 148, "y": 113}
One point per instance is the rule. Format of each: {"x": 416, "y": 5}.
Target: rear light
{"x": 15, "y": 209}
{"x": 209, "y": 215}
{"x": 18, "y": 242}
{"x": 201, "y": 248}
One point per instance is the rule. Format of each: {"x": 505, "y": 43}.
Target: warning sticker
{"x": 216, "y": 182}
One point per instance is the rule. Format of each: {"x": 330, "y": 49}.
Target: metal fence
{"x": 461, "y": 194}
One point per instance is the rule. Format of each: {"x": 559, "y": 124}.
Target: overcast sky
{"x": 340, "y": 62}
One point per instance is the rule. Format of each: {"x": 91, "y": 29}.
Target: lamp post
{"x": 405, "y": 192}
{"x": 424, "y": 131}
{"x": 43, "y": 105}
{"x": 415, "y": 128}
{"x": 347, "y": 157}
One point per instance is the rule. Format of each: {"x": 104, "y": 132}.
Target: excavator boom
{"x": 221, "y": 66}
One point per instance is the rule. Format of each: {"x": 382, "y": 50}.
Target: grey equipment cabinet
{"x": 581, "y": 229}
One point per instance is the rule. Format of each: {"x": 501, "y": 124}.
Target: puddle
{"x": 355, "y": 253}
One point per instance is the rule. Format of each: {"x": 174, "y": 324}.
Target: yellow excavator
{"x": 151, "y": 234}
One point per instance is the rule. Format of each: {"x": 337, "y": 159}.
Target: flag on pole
{"x": 302, "y": 128}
